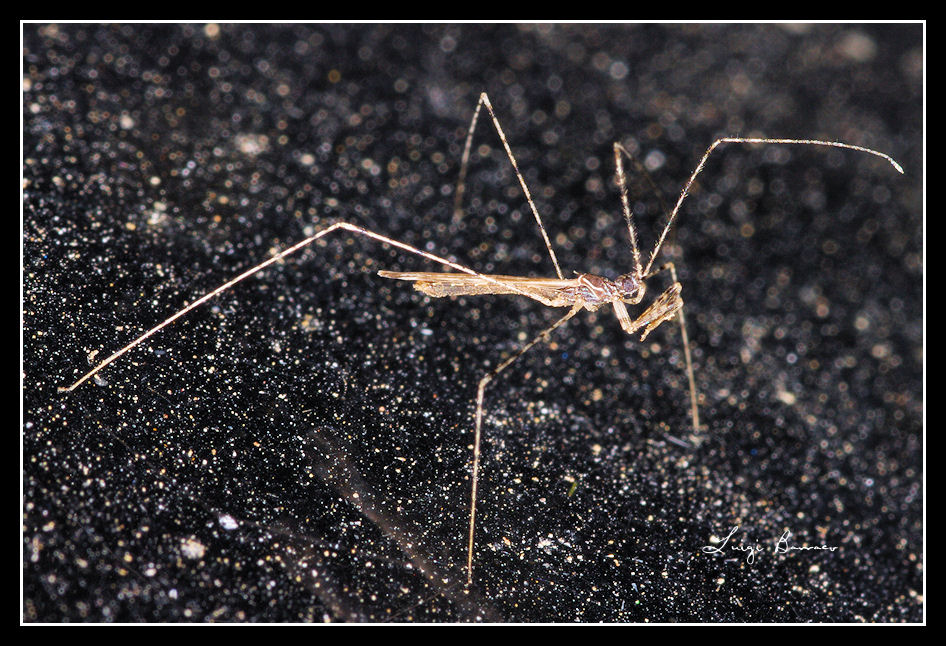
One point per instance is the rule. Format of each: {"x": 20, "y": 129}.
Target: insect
{"x": 585, "y": 291}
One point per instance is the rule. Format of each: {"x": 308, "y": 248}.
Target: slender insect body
{"x": 588, "y": 291}
{"x": 585, "y": 291}
{"x": 594, "y": 291}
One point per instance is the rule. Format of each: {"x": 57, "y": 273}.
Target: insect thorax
{"x": 593, "y": 290}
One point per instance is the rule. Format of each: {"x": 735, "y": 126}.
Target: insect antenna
{"x": 628, "y": 214}
{"x": 752, "y": 140}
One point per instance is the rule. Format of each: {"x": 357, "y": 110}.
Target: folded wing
{"x": 440, "y": 285}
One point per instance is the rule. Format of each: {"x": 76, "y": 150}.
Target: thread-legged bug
{"x": 585, "y": 291}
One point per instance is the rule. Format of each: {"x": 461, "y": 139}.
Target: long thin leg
{"x": 751, "y": 140}
{"x": 665, "y": 307}
{"x": 694, "y": 398}
{"x": 461, "y": 184}
{"x": 287, "y": 252}
{"x": 465, "y": 162}
{"x": 479, "y": 424}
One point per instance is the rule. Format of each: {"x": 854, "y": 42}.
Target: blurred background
{"x": 298, "y": 449}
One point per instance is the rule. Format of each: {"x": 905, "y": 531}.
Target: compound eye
{"x": 628, "y": 284}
